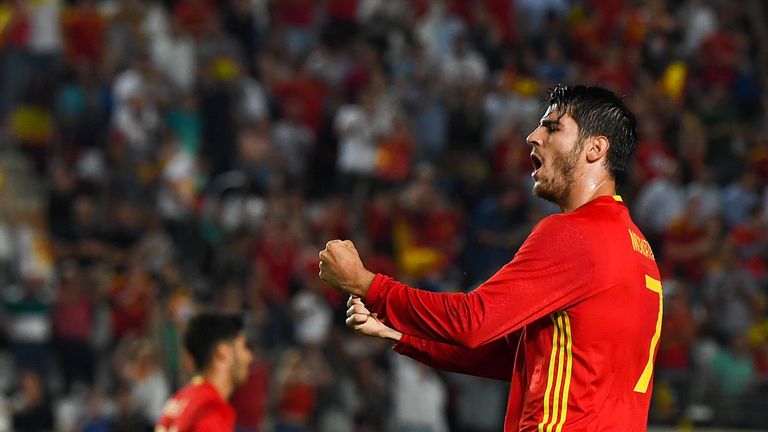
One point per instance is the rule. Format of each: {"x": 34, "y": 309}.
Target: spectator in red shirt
{"x": 193, "y": 16}
{"x": 678, "y": 329}
{"x": 749, "y": 242}
{"x": 83, "y": 33}
{"x": 73, "y": 323}
{"x": 217, "y": 345}
{"x": 687, "y": 242}
{"x": 653, "y": 154}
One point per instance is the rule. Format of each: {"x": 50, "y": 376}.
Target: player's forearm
{"x": 451, "y": 318}
{"x": 493, "y": 360}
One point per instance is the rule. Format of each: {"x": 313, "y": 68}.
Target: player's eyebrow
{"x": 547, "y": 123}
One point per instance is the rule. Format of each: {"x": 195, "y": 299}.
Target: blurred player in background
{"x": 221, "y": 356}
{"x": 573, "y": 321}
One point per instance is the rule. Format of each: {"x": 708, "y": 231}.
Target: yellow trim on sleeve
{"x": 568, "y": 369}
{"x": 552, "y": 356}
{"x": 562, "y": 343}
{"x": 560, "y": 362}
{"x": 618, "y": 198}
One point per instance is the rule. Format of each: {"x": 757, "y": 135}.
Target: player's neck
{"x": 221, "y": 381}
{"x": 587, "y": 190}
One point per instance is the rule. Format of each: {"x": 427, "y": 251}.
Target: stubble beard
{"x": 557, "y": 188}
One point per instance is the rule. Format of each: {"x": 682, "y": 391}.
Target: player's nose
{"x": 535, "y": 138}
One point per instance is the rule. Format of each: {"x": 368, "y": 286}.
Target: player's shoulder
{"x": 197, "y": 391}
{"x": 559, "y": 223}
{"x": 558, "y": 229}
{"x": 196, "y": 404}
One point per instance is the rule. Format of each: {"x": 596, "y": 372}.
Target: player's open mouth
{"x": 537, "y": 163}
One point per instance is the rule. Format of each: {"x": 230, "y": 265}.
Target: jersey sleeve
{"x": 551, "y": 271}
{"x": 494, "y": 360}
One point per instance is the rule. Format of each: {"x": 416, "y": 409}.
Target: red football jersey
{"x": 573, "y": 322}
{"x": 198, "y": 407}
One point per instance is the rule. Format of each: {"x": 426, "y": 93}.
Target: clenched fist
{"x": 341, "y": 267}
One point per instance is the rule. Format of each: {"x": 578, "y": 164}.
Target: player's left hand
{"x": 360, "y": 319}
{"x": 341, "y": 267}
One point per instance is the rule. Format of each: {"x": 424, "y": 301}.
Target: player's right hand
{"x": 341, "y": 267}
{"x": 360, "y": 319}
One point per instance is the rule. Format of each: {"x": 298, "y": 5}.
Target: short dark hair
{"x": 205, "y": 331}
{"x": 598, "y": 111}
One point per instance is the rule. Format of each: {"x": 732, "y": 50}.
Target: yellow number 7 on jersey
{"x": 642, "y": 383}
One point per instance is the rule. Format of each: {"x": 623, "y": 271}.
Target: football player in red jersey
{"x": 573, "y": 321}
{"x": 218, "y": 348}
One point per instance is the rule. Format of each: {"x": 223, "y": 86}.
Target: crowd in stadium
{"x": 177, "y": 155}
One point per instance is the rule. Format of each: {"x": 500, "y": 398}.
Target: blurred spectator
{"x": 436, "y": 30}
{"x": 733, "y": 298}
{"x": 136, "y": 118}
{"x": 296, "y": 18}
{"x": 96, "y": 416}
{"x": 174, "y": 55}
{"x": 366, "y": 396}
{"x": 312, "y": 316}
{"x": 661, "y": 201}
{"x": 420, "y": 397}
{"x": 653, "y": 155}
{"x": 533, "y": 14}
{"x": 699, "y": 21}
{"x": 738, "y": 198}
{"x": 130, "y": 293}
{"x": 127, "y": 417}
{"x": 138, "y": 366}
{"x": 395, "y": 154}
{"x": 293, "y": 142}
{"x": 31, "y": 405}
{"x": 359, "y": 127}
{"x": 425, "y": 229}
{"x": 193, "y": 16}
{"x": 15, "y": 63}
{"x": 27, "y": 308}
{"x": 734, "y": 368}
{"x": 707, "y": 195}
{"x": 240, "y": 21}
{"x": 679, "y": 329}
{"x": 73, "y": 323}
{"x": 124, "y": 33}
{"x": 687, "y": 244}
{"x": 83, "y": 27}
{"x": 297, "y": 380}
{"x": 748, "y": 243}
{"x": 498, "y": 227}
{"x": 463, "y": 66}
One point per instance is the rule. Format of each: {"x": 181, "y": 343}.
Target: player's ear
{"x": 597, "y": 148}
{"x": 223, "y": 351}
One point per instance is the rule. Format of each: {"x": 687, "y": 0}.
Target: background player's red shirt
{"x": 198, "y": 407}
{"x": 573, "y": 321}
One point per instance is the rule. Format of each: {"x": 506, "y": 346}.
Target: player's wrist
{"x": 392, "y": 335}
{"x": 363, "y": 283}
